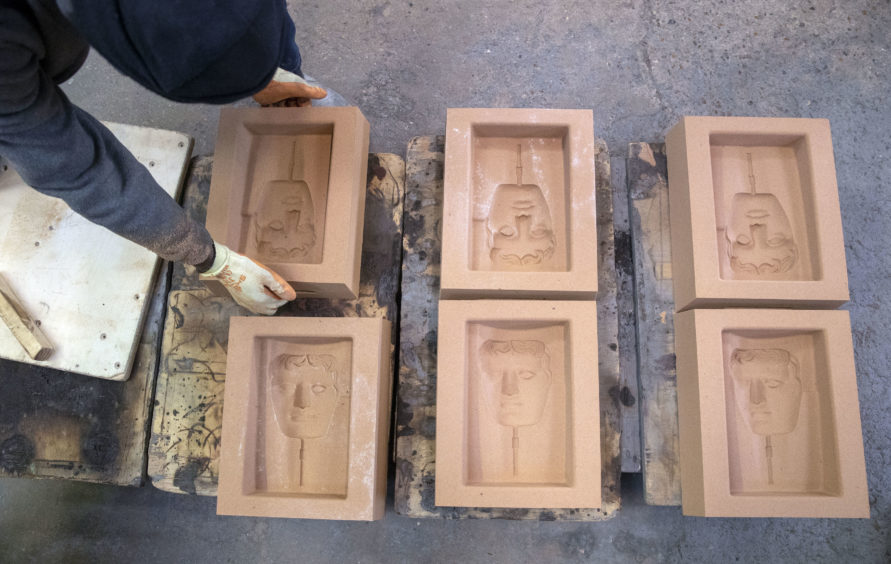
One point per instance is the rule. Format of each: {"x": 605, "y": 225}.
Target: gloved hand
{"x": 287, "y": 88}
{"x": 251, "y": 284}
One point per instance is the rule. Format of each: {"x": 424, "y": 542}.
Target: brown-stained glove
{"x": 252, "y": 285}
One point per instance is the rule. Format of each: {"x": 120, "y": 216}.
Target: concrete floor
{"x": 640, "y": 65}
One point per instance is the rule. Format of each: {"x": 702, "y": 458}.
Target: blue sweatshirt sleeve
{"x": 62, "y": 151}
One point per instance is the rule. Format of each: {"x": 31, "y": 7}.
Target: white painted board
{"x": 89, "y": 288}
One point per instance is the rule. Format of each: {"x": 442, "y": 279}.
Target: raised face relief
{"x": 519, "y": 227}
{"x": 285, "y": 222}
{"x": 516, "y": 378}
{"x": 759, "y": 236}
{"x": 767, "y": 388}
{"x": 519, "y": 231}
{"x": 304, "y": 394}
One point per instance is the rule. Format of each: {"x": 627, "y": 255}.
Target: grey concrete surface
{"x": 640, "y": 65}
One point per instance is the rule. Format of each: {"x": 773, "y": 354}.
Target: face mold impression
{"x": 767, "y": 389}
{"x": 519, "y": 232}
{"x": 515, "y": 388}
{"x": 755, "y": 217}
{"x": 758, "y": 237}
{"x": 768, "y": 414}
{"x": 519, "y": 207}
{"x": 283, "y": 225}
{"x": 304, "y": 392}
{"x": 517, "y": 393}
{"x": 306, "y": 418}
{"x": 307, "y": 394}
{"x": 288, "y": 190}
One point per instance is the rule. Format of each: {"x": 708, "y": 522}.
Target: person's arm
{"x": 62, "y": 151}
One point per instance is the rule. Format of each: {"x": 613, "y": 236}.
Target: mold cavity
{"x": 518, "y": 423}
{"x": 780, "y": 420}
{"x": 284, "y": 191}
{"x": 764, "y": 207}
{"x": 302, "y": 422}
{"x": 520, "y": 198}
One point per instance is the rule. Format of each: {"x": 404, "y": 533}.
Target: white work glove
{"x": 251, "y": 284}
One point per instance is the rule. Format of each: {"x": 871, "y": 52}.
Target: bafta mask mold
{"x": 768, "y": 414}
{"x": 308, "y": 399}
{"x": 519, "y": 204}
{"x": 516, "y": 398}
{"x": 767, "y": 389}
{"x": 754, "y": 214}
{"x": 306, "y": 418}
{"x": 516, "y": 377}
{"x": 288, "y": 190}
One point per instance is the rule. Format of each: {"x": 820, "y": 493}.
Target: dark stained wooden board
{"x": 654, "y": 310}
{"x": 627, "y": 324}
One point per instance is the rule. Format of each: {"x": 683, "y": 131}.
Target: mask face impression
{"x": 759, "y": 237}
{"x": 516, "y": 379}
{"x": 303, "y": 389}
{"x": 767, "y": 389}
{"x": 285, "y": 222}
{"x": 519, "y": 228}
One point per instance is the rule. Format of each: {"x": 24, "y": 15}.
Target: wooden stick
{"x": 23, "y": 327}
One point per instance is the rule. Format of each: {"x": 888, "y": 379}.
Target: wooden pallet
{"x": 186, "y": 426}
{"x": 654, "y": 310}
{"x": 416, "y": 398}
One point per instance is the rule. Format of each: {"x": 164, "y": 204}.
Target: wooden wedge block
{"x": 23, "y": 327}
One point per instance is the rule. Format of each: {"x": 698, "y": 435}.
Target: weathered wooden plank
{"x": 55, "y": 424}
{"x": 627, "y": 331}
{"x": 416, "y": 391}
{"x": 186, "y": 427}
{"x": 416, "y": 401}
{"x": 654, "y": 310}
